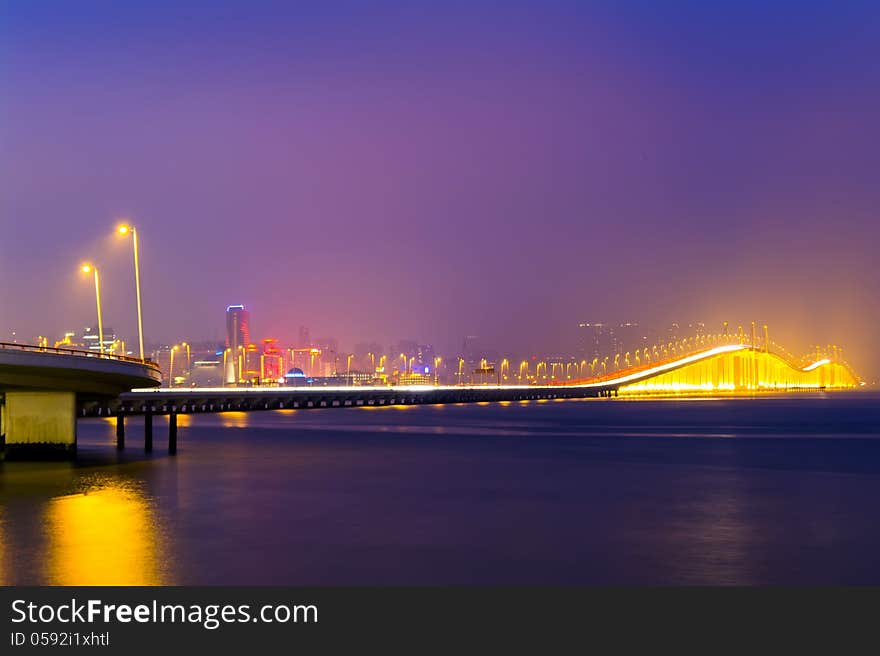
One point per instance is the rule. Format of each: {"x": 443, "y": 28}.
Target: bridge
{"x": 46, "y": 389}
{"x": 43, "y": 389}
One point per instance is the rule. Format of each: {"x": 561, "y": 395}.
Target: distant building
{"x": 305, "y": 341}
{"x": 599, "y": 340}
{"x": 272, "y": 364}
{"x": 89, "y": 340}
{"x": 238, "y": 336}
{"x": 206, "y": 373}
{"x": 475, "y": 351}
{"x": 629, "y": 337}
{"x": 238, "y": 332}
{"x": 295, "y": 377}
{"x": 596, "y": 340}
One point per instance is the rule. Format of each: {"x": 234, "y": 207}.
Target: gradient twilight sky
{"x": 385, "y": 170}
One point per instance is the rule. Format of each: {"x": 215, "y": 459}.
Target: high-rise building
{"x": 305, "y": 341}
{"x": 238, "y": 337}
{"x": 597, "y": 340}
{"x": 89, "y": 340}
{"x": 238, "y": 332}
{"x": 628, "y": 337}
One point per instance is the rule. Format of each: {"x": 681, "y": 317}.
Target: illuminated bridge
{"x": 715, "y": 365}
{"x": 42, "y": 391}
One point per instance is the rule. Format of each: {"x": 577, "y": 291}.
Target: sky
{"x": 416, "y": 170}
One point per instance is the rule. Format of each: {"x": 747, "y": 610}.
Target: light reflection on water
{"x": 233, "y": 419}
{"x": 94, "y": 524}
{"x": 105, "y": 536}
{"x": 442, "y": 495}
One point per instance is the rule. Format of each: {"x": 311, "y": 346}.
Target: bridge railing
{"x": 31, "y": 348}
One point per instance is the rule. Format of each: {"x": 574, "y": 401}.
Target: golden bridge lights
{"x": 125, "y": 230}
{"x": 738, "y": 368}
{"x": 91, "y": 268}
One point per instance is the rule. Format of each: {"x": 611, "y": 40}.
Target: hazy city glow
{"x": 507, "y": 173}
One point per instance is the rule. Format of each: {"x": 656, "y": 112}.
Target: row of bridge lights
{"x": 123, "y": 230}
{"x": 609, "y": 364}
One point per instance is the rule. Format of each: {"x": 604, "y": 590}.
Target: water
{"x": 737, "y": 491}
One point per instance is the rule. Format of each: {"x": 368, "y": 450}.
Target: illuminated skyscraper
{"x": 237, "y": 327}
{"x": 238, "y": 336}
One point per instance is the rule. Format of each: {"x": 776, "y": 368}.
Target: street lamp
{"x": 188, "y": 360}
{"x": 171, "y": 367}
{"x": 437, "y": 361}
{"x": 91, "y": 268}
{"x": 124, "y": 230}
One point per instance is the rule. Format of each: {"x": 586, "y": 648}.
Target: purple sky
{"x": 410, "y": 170}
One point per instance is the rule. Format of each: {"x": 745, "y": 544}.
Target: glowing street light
{"x": 171, "y": 366}
{"x": 188, "y": 359}
{"x": 125, "y": 230}
{"x": 437, "y": 361}
{"x": 91, "y": 268}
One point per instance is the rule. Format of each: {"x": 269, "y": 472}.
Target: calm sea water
{"x": 738, "y": 491}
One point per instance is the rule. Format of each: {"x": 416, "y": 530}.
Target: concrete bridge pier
{"x": 172, "y": 433}
{"x": 120, "y": 431}
{"x": 148, "y": 431}
{"x": 39, "y": 424}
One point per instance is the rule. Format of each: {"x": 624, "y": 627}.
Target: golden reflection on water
{"x": 108, "y": 536}
{"x": 233, "y": 419}
{"x": 184, "y": 420}
{"x": 284, "y": 411}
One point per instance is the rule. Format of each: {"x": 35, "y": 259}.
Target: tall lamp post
{"x": 91, "y": 268}
{"x": 188, "y": 358}
{"x": 171, "y": 366}
{"x": 124, "y": 230}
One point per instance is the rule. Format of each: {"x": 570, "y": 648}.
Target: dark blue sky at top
{"x": 381, "y": 170}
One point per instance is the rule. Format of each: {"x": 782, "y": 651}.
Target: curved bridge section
{"x": 730, "y": 368}
{"x": 40, "y": 389}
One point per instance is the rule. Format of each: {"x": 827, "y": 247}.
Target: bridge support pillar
{"x": 148, "y": 431}
{"x": 39, "y": 425}
{"x": 172, "y": 433}
{"x": 120, "y": 431}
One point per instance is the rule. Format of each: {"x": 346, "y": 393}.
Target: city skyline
{"x": 251, "y": 359}
{"x": 505, "y": 175}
